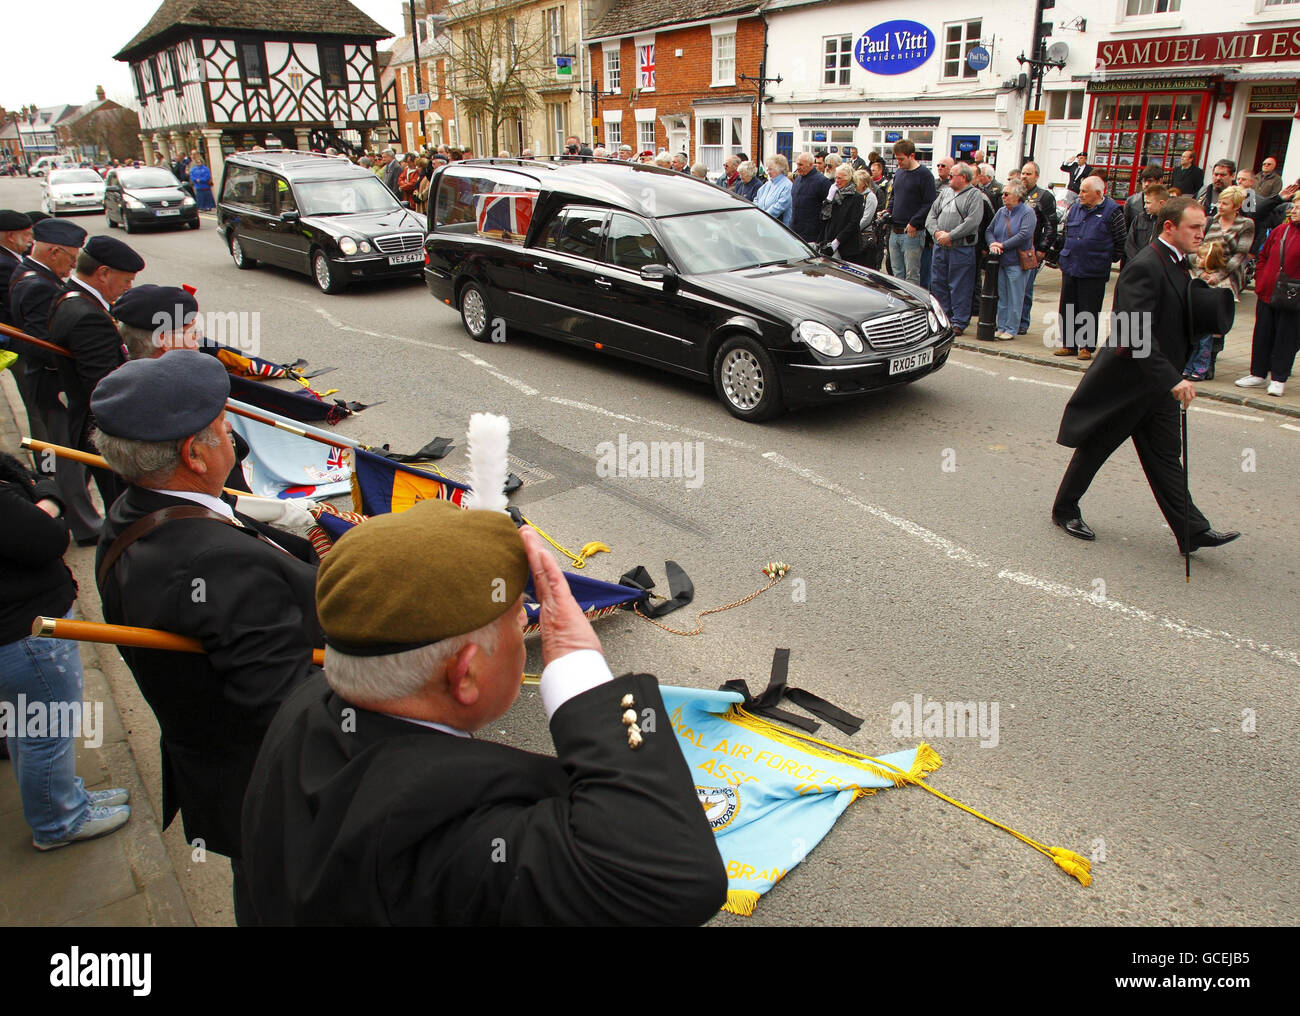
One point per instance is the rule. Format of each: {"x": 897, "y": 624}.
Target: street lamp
{"x": 596, "y": 95}
{"x": 760, "y": 83}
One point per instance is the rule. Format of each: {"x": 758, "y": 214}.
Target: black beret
{"x": 162, "y": 399}
{"x": 36, "y": 216}
{"x": 155, "y": 307}
{"x": 59, "y": 231}
{"x": 110, "y": 251}
{"x": 11, "y": 220}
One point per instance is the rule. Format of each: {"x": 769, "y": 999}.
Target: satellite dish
{"x": 1058, "y": 53}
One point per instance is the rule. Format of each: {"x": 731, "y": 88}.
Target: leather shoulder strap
{"x": 146, "y": 525}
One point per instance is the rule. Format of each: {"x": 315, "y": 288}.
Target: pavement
{"x": 125, "y": 879}
{"x": 1233, "y": 362}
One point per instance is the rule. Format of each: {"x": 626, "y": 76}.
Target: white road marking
{"x": 926, "y": 536}
{"x": 1289, "y": 426}
{"x": 1137, "y": 613}
{"x": 513, "y": 382}
{"x": 587, "y": 407}
{"x": 1045, "y": 384}
{"x": 344, "y": 326}
{"x": 971, "y": 366}
{"x": 1220, "y": 412}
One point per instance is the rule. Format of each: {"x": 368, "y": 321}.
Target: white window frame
{"x": 645, "y": 120}
{"x": 1171, "y": 7}
{"x": 410, "y": 136}
{"x": 638, "y": 42}
{"x": 613, "y": 68}
{"x": 713, "y": 156}
{"x": 966, "y": 43}
{"x": 553, "y": 27}
{"x": 845, "y": 71}
{"x": 723, "y": 35}
{"x": 613, "y": 131}
{"x": 557, "y": 124}
{"x": 1068, "y": 93}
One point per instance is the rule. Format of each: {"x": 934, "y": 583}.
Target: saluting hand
{"x": 564, "y": 627}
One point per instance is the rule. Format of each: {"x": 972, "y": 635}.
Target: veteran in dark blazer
{"x": 174, "y": 556}
{"x": 374, "y": 803}
{"x": 1135, "y": 385}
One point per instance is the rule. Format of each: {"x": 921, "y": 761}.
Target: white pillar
{"x": 216, "y": 158}
{"x": 302, "y": 138}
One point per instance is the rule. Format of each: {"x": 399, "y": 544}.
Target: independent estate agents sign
{"x": 894, "y": 47}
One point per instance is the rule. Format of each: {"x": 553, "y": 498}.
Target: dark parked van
{"x": 319, "y": 215}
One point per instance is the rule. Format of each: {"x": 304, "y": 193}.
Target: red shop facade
{"x": 1151, "y": 99}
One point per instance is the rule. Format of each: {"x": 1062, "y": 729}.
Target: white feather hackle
{"x": 489, "y": 442}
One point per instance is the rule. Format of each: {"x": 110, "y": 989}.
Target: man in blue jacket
{"x": 1094, "y": 239}
{"x": 809, "y": 190}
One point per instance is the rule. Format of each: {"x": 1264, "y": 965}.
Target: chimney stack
{"x": 99, "y": 93}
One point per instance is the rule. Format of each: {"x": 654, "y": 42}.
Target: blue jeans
{"x": 1028, "y": 306}
{"x": 45, "y": 671}
{"x": 954, "y": 282}
{"x": 927, "y": 262}
{"x": 1011, "y": 292}
{"x": 905, "y": 256}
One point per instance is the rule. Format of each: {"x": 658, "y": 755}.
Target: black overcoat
{"x": 1117, "y": 392}
{"x": 253, "y": 607}
{"x": 80, "y": 324}
{"x": 357, "y": 818}
{"x": 845, "y": 223}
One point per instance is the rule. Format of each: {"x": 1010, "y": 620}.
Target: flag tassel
{"x": 741, "y": 902}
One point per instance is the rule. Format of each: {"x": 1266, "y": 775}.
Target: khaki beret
{"x": 409, "y": 579}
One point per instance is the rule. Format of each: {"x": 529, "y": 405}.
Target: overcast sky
{"x": 57, "y": 52}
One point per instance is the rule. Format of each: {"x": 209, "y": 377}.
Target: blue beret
{"x": 164, "y": 399}
{"x": 11, "y": 220}
{"x": 110, "y": 251}
{"x": 59, "y": 231}
{"x": 155, "y": 307}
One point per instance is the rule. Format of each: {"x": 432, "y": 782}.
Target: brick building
{"x": 675, "y": 67}
{"x": 398, "y": 80}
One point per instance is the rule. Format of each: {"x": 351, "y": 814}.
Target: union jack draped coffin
{"x": 506, "y": 212}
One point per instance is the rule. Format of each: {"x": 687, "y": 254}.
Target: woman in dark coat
{"x": 749, "y": 183}
{"x": 841, "y": 234}
{"x": 44, "y": 674}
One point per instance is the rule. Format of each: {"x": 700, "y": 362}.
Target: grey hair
{"x": 149, "y": 463}
{"x": 140, "y": 342}
{"x": 987, "y": 170}
{"x": 700, "y": 170}
{"x": 664, "y": 159}
{"x": 832, "y": 161}
{"x": 747, "y": 167}
{"x": 778, "y": 162}
{"x": 400, "y": 675}
{"x": 1014, "y": 187}
{"x": 966, "y": 170}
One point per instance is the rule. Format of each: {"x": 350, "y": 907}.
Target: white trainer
{"x": 1276, "y": 388}
{"x": 1249, "y": 381}
{"x": 99, "y": 822}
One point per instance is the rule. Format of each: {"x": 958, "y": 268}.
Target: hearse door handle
{"x": 604, "y": 283}
{"x": 541, "y": 267}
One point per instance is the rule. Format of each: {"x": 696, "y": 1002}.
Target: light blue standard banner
{"x": 769, "y": 793}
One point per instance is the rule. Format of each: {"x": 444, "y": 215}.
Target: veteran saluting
{"x": 371, "y": 801}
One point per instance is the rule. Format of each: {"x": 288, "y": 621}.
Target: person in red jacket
{"x": 1277, "y": 329}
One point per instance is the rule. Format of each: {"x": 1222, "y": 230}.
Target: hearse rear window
{"x": 498, "y": 206}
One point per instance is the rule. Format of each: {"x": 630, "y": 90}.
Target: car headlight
{"x": 365, "y": 247}
{"x": 939, "y": 315}
{"x": 853, "y": 340}
{"x": 821, "y": 338}
{"x": 934, "y": 322}
{"x": 131, "y": 202}
{"x": 348, "y": 245}
{"x": 187, "y": 202}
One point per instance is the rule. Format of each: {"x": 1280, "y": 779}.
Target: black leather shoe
{"x": 1210, "y": 538}
{"x": 1076, "y": 527}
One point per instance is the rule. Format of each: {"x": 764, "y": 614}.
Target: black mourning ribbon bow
{"x": 766, "y": 702}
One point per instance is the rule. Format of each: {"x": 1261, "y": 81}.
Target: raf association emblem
{"x": 720, "y": 805}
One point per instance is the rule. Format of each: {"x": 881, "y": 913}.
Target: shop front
{"x": 1137, "y": 121}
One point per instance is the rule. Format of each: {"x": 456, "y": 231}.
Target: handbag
{"x": 1028, "y": 258}
{"x": 1286, "y": 291}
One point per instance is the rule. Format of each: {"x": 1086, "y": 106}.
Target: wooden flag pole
{"x": 144, "y": 638}
{"x": 14, "y": 333}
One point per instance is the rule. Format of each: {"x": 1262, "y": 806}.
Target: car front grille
{"x": 399, "y": 243}
{"x": 896, "y": 331}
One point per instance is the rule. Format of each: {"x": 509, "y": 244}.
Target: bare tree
{"x": 498, "y": 60}
{"x": 112, "y": 130}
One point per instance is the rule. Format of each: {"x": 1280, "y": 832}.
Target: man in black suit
{"x": 1078, "y": 170}
{"x": 81, "y": 322}
{"x": 202, "y": 571}
{"x": 33, "y": 287}
{"x": 1126, "y": 393}
{"x": 374, "y": 803}
{"x": 15, "y": 238}
{"x": 1188, "y": 177}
